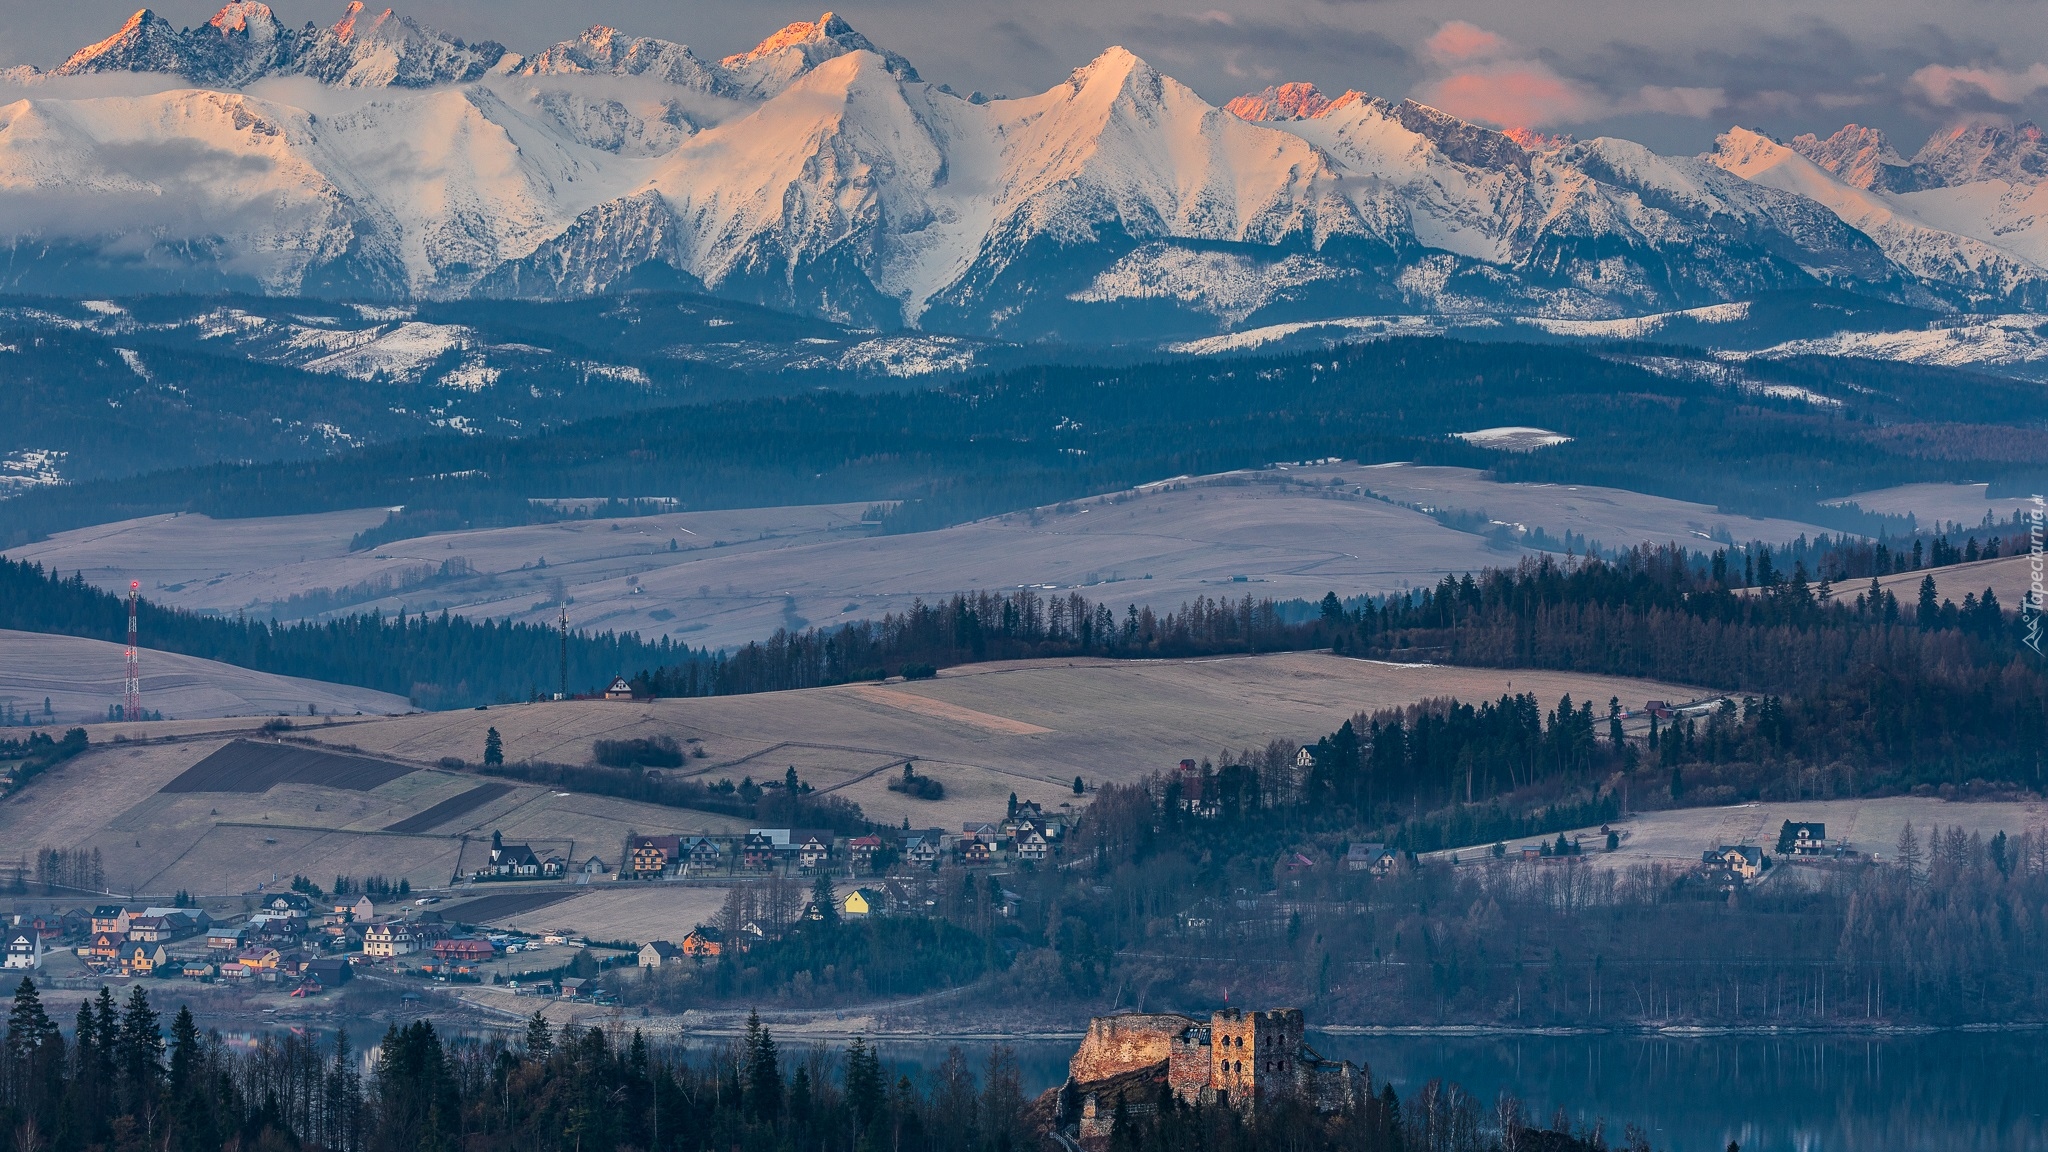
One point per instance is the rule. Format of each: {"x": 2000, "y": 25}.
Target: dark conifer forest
{"x": 116, "y": 1082}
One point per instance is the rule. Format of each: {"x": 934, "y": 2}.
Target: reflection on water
{"x": 1947, "y": 1092}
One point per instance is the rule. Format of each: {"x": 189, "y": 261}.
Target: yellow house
{"x": 863, "y": 902}
{"x": 139, "y": 959}
{"x": 1744, "y": 860}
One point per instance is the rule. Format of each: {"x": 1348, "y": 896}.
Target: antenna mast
{"x": 131, "y": 707}
{"x": 565, "y": 654}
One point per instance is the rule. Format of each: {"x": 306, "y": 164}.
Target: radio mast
{"x": 131, "y": 707}
{"x": 564, "y": 695}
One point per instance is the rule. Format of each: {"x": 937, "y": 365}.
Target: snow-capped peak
{"x": 1985, "y": 149}
{"x": 394, "y": 50}
{"x": 247, "y": 18}
{"x": 146, "y": 43}
{"x": 1860, "y": 157}
{"x": 1296, "y": 100}
{"x": 776, "y": 62}
{"x": 605, "y": 51}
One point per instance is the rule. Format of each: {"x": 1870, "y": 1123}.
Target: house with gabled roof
{"x": 659, "y": 953}
{"x": 111, "y": 919}
{"x": 649, "y": 857}
{"x": 139, "y": 959}
{"x": 812, "y": 847}
{"x": 1803, "y": 838}
{"x": 1373, "y": 858}
{"x": 22, "y": 949}
{"x": 105, "y": 947}
{"x": 703, "y": 942}
{"x": 703, "y": 852}
{"x": 922, "y": 848}
{"x": 1744, "y": 861}
{"x": 864, "y": 902}
{"x": 862, "y": 850}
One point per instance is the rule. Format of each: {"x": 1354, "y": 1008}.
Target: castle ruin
{"x": 1235, "y": 1058}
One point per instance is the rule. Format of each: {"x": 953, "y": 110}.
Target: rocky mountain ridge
{"x": 819, "y": 173}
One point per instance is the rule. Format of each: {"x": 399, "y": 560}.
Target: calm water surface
{"x": 1947, "y": 1092}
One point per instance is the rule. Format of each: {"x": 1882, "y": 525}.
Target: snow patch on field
{"x": 1637, "y": 327}
{"x": 1348, "y": 328}
{"x": 473, "y": 376}
{"x": 133, "y": 359}
{"x": 1231, "y": 285}
{"x": 907, "y": 356}
{"x": 617, "y": 373}
{"x": 400, "y": 353}
{"x": 28, "y": 468}
{"x": 2013, "y": 341}
{"x": 1515, "y": 438}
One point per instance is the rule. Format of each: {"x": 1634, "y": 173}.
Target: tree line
{"x": 439, "y": 661}
{"x": 115, "y": 1083}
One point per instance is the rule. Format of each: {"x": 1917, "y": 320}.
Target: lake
{"x": 1942, "y": 1092}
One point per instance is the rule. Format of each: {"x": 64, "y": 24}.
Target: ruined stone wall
{"x": 1119, "y": 1044}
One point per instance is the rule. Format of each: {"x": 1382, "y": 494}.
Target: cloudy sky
{"x": 1668, "y": 72}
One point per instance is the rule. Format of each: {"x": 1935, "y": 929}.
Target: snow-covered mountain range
{"x": 377, "y": 158}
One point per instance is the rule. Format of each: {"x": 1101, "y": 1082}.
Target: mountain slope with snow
{"x": 377, "y": 157}
{"x": 1928, "y": 249}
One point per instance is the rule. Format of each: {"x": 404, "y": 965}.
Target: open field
{"x": 984, "y": 731}
{"x": 617, "y": 910}
{"x": 722, "y": 578}
{"x": 1871, "y": 827}
{"x": 1609, "y": 516}
{"x": 2008, "y": 576}
{"x": 136, "y": 804}
{"x": 1936, "y": 504}
{"x": 249, "y": 766}
{"x": 80, "y": 678}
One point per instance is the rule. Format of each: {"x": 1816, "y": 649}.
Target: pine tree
{"x": 763, "y": 1071}
{"x": 540, "y": 1038}
{"x": 863, "y": 1081}
{"x": 141, "y": 1047}
{"x": 494, "y": 749}
{"x": 29, "y": 1028}
{"x": 825, "y": 901}
{"x": 1909, "y": 852}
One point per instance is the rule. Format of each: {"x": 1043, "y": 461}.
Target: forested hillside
{"x": 437, "y": 662}
{"x": 1039, "y": 435}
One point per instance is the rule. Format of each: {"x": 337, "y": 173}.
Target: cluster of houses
{"x": 895, "y": 896}
{"x": 281, "y": 940}
{"x": 1026, "y": 833}
{"x": 286, "y": 940}
{"x": 1734, "y": 865}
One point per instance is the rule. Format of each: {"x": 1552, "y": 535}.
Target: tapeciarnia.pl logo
{"x": 2037, "y": 559}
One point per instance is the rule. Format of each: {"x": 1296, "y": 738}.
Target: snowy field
{"x": 80, "y": 678}
{"x": 1932, "y": 504}
{"x": 723, "y": 578}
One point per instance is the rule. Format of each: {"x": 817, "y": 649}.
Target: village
{"x": 304, "y": 941}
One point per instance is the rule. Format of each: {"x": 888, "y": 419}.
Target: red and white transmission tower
{"x": 131, "y": 708}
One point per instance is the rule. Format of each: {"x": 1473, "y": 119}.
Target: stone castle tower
{"x": 1248, "y": 1049}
